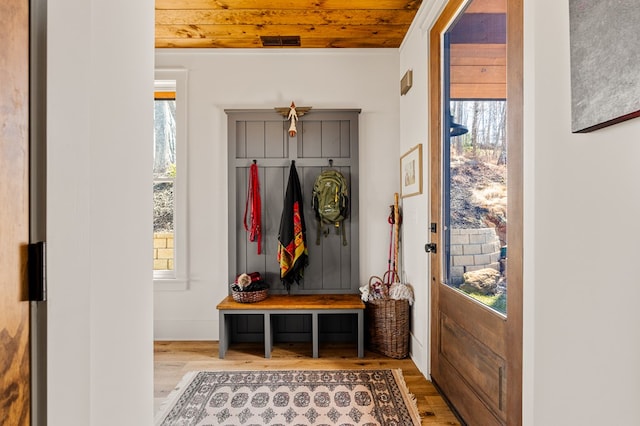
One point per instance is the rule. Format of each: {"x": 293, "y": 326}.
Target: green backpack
{"x": 330, "y": 201}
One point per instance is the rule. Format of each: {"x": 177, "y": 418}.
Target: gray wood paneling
{"x": 255, "y": 139}
{"x": 324, "y": 139}
{"x": 275, "y": 139}
{"x": 241, "y": 139}
{"x": 273, "y": 184}
{"x": 330, "y": 139}
{"x": 262, "y": 135}
{"x": 337, "y": 328}
{"x": 345, "y": 147}
{"x": 310, "y": 139}
{"x": 247, "y": 328}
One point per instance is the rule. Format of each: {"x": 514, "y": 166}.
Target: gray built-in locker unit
{"x": 325, "y": 138}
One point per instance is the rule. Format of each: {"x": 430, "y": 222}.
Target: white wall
{"x": 581, "y": 320}
{"x": 414, "y": 127}
{"x": 99, "y": 136}
{"x": 583, "y": 327}
{"x": 264, "y": 79}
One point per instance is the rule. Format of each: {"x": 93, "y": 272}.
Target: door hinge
{"x": 433, "y": 227}
{"x": 37, "y": 272}
{"x": 430, "y": 248}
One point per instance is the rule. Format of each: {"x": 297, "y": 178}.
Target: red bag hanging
{"x": 253, "y": 200}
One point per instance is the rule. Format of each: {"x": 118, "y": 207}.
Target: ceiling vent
{"x": 280, "y": 41}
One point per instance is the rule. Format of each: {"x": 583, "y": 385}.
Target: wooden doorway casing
{"x": 15, "y": 376}
{"x": 476, "y": 354}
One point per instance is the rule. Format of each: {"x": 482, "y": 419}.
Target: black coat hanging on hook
{"x": 293, "y": 255}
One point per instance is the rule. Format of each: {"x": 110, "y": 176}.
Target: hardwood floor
{"x": 173, "y": 359}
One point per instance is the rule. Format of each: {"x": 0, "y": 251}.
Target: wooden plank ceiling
{"x": 318, "y": 23}
{"x": 478, "y": 49}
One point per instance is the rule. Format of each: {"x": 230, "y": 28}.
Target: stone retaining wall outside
{"x": 473, "y": 249}
{"x": 162, "y": 251}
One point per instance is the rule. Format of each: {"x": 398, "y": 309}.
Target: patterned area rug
{"x": 290, "y": 398}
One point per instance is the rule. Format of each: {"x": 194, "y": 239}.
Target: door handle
{"x": 430, "y": 248}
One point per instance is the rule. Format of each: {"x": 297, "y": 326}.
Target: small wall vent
{"x": 280, "y": 41}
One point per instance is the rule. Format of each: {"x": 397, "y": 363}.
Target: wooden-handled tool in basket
{"x": 394, "y": 237}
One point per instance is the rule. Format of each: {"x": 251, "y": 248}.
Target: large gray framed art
{"x": 605, "y": 64}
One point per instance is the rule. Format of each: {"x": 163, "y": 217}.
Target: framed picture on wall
{"x": 411, "y": 172}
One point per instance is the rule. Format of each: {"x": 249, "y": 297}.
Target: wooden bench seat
{"x": 314, "y": 305}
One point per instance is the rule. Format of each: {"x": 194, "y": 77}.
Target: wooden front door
{"x": 476, "y": 262}
{"x": 14, "y": 212}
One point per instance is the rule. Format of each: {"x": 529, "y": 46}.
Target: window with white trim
{"x": 170, "y": 181}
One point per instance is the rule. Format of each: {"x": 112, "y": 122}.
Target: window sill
{"x": 170, "y": 285}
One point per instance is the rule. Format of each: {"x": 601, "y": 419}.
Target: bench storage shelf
{"x": 314, "y": 305}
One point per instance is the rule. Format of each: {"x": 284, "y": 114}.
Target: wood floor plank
{"x": 172, "y": 360}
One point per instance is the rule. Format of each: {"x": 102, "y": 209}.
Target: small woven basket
{"x": 249, "y": 296}
{"x": 388, "y": 325}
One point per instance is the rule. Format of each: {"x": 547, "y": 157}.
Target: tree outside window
{"x": 164, "y": 175}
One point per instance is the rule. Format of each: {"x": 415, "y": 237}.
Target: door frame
{"x": 513, "y": 324}
{"x": 38, "y": 199}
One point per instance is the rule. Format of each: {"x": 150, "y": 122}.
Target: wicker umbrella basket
{"x": 388, "y": 325}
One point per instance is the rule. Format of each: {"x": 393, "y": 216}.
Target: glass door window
{"x": 475, "y": 157}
